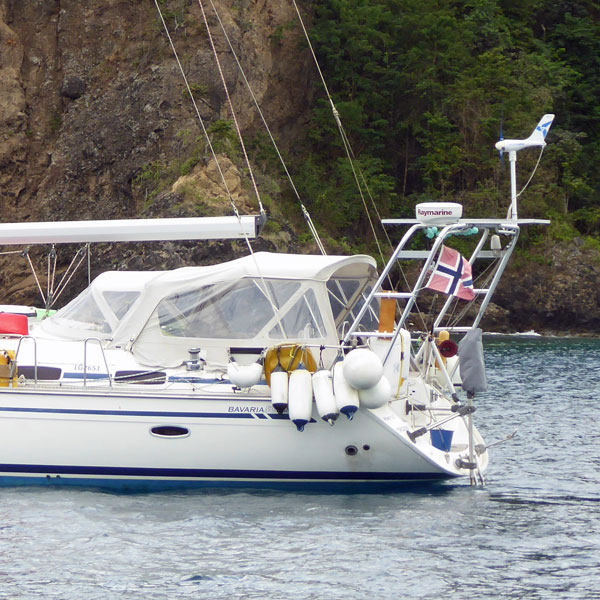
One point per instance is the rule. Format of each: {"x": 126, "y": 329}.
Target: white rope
{"x": 205, "y": 132}
{"x": 343, "y": 135}
{"x": 305, "y": 212}
{"x": 51, "y": 273}
{"x": 251, "y": 173}
{"x": 237, "y": 126}
{"x": 200, "y": 120}
{"x": 532, "y": 173}
{"x": 62, "y": 284}
{"x": 60, "y": 290}
{"x": 89, "y": 265}
{"x": 352, "y": 160}
{"x": 26, "y": 254}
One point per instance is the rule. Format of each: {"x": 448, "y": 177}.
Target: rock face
{"x": 93, "y": 105}
{"x": 557, "y": 292}
{"x": 13, "y": 120}
{"x": 96, "y": 123}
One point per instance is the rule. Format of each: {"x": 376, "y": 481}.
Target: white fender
{"x": 244, "y": 376}
{"x": 346, "y": 397}
{"x": 362, "y": 368}
{"x": 376, "y": 396}
{"x": 325, "y": 400}
{"x": 279, "y": 390}
{"x": 300, "y": 397}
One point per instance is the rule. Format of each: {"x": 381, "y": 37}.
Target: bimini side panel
{"x": 183, "y": 318}
{"x": 248, "y": 312}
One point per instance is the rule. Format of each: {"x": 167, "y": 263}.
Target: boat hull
{"x": 129, "y": 442}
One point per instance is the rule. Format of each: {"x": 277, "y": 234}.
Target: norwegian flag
{"x": 452, "y": 275}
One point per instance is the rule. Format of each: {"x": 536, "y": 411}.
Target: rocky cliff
{"x": 95, "y": 117}
{"x": 95, "y": 123}
{"x": 554, "y": 290}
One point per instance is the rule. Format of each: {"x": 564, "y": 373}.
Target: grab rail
{"x": 35, "y": 365}
{"x": 85, "y": 342}
{"x": 85, "y": 366}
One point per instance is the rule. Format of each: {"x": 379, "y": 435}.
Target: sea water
{"x": 533, "y": 532}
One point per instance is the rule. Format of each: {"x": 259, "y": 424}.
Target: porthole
{"x": 170, "y": 431}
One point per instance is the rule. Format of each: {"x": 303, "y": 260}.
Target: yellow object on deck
{"x": 387, "y": 315}
{"x": 288, "y": 357}
{"x": 8, "y": 365}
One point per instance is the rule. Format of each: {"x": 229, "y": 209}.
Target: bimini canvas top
{"x": 257, "y": 300}
{"x": 265, "y": 264}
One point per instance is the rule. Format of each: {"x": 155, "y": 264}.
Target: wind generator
{"x": 537, "y": 138}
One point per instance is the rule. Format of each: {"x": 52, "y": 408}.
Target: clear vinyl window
{"x": 238, "y": 311}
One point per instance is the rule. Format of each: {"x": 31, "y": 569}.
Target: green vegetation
{"x": 153, "y": 179}
{"x": 55, "y": 123}
{"x": 224, "y": 139}
{"x": 173, "y": 13}
{"x": 279, "y": 32}
{"x": 422, "y": 88}
{"x": 199, "y": 90}
{"x": 158, "y": 177}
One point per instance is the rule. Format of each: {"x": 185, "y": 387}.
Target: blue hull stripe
{"x": 226, "y": 474}
{"x": 135, "y": 413}
{"x": 149, "y": 413}
{"x": 129, "y": 486}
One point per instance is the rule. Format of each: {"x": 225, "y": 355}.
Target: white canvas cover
{"x": 99, "y": 309}
{"x": 256, "y": 301}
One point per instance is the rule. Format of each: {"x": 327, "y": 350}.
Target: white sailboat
{"x": 271, "y": 371}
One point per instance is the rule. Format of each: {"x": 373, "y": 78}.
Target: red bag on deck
{"x": 14, "y": 324}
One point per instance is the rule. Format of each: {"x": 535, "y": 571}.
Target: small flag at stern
{"x": 452, "y": 275}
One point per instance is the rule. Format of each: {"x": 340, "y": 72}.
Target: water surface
{"x": 533, "y": 532}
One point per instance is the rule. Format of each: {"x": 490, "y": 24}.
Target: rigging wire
{"x": 305, "y": 212}
{"x": 212, "y": 151}
{"x": 266, "y": 290}
{"x": 200, "y": 120}
{"x": 533, "y": 172}
{"x": 51, "y": 274}
{"x": 235, "y": 121}
{"x": 344, "y": 137}
{"x": 352, "y": 160}
{"x": 33, "y": 271}
{"x": 54, "y": 292}
{"x": 69, "y": 273}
